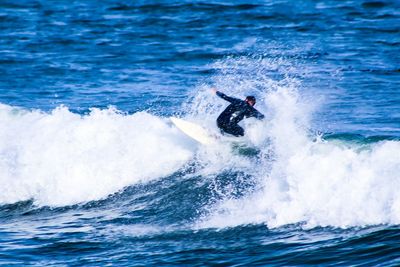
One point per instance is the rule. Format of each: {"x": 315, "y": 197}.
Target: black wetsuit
{"x": 228, "y": 120}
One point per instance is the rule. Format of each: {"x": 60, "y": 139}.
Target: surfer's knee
{"x": 239, "y": 131}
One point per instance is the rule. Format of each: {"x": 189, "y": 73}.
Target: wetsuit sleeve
{"x": 257, "y": 114}
{"x": 227, "y": 98}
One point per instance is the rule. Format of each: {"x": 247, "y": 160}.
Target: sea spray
{"x": 303, "y": 179}
{"x": 315, "y": 182}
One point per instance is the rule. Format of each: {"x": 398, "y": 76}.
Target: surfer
{"x": 228, "y": 120}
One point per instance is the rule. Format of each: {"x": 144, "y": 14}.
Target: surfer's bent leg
{"x": 236, "y": 130}
{"x": 232, "y": 129}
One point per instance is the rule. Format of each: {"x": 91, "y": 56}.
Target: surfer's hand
{"x": 214, "y": 90}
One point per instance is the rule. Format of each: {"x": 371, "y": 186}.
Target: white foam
{"x": 322, "y": 184}
{"x": 62, "y": 158}
{"x": 316, "y": 183}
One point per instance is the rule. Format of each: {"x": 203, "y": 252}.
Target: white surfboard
{"x": 194, "y": 131}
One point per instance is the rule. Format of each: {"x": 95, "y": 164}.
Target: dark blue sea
{"x": 93, "y": 172}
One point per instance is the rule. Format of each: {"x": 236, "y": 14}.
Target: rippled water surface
{"x": 93, "y": 173}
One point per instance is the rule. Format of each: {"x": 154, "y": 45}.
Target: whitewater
{"x": 94, "y": 173}
{"x": 60, "y": 158}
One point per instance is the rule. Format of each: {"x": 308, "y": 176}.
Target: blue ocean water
{"x": 93, "y": 173}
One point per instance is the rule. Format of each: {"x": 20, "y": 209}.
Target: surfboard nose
{"x": 194, "y": 131}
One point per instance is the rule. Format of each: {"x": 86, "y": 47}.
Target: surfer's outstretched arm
{"x": 225, "y": 97}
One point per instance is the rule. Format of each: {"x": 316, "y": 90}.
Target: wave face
{"x": 144, "y": 178}
{"x": 61, "y": 158}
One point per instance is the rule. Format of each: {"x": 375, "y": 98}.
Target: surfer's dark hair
{"x": 251, "y": 98}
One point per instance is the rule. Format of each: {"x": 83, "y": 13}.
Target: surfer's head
{"x": 251, "y": 100}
